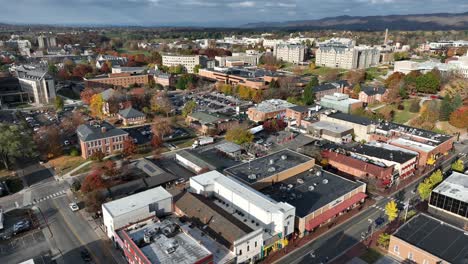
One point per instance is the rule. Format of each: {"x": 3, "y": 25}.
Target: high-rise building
{"x": 46, "y": 41}
{"x": 37, "y": 83}
{"x": 187, "y": 61}
{"x": 339, "y": 55}
{"x": 290, "y": 52}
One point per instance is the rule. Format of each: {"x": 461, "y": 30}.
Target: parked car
{"x": 85, "y": 255}
{"x": 74, "y": 207}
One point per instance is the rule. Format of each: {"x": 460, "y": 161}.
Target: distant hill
{"x": 441, "y": 21}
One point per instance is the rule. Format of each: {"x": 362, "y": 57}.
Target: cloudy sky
{"x": 207, "y": 12}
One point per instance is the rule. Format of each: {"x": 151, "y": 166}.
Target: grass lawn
{"x": 401, "y": 116}
{"x": 64, "y": 164}
{"x": 371, "y": 256}
{"x": 320, "y": 71}
{"x": 133, "y": 52}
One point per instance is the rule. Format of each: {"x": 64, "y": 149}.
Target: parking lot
{"x": 143, "y": 134}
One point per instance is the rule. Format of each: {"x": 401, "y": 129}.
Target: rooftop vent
{"x": 300, "y": 181}
{"x": 252, "y": 176}
{"x": 318, "y": 173}
{"x": 271, "y": 169}
{"x": 324, "y": 181}
{"x": 272, "y": 161}
{"x": 284, "y": 157}
{"x": 311, "y": 188}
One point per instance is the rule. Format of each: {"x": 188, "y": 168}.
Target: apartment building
{"x": 46, "y": 42}
{"x": 238, "y": 59}
{"x": 100, "y": 137}
{"x": 37, "y": 83}
{"x": 293, "y": 53}
{"x": 123, "y": 80}
{"x": 338, "y": 55}
{"x": 187, "y": 61}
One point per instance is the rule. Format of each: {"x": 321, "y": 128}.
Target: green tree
{"x": 424, "y": 190}
{"x": 313, "y": 81}
{"x": 181, "y": 84}
{"x": 196, "y": 68}
{"x": 384, "y": 240}
{"x": 189, "y": 107}
{"x": 446, "y": 108}
{"x": 391, "y": 210}
{"x": 52, "y": 69}
{"x": 458, "y": 166}
{"x": 414, "y": 106}
{"x": 239, "y": 135}
{"x": 436, "y": 178}
{"x": 309, "y": 96}
{"x": 398, "y": 56}
{"x": 428, "y": 83}
{"x": 58, "y": 103}
{"x": 15, "y": 141}
{"x": 457, "y": 101}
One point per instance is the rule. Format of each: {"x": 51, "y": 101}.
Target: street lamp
{"x": 45, "y": 219}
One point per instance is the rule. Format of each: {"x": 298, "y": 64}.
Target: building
{"x": 362, "y": 127}
{"x": 329, "y": 89}
{"x": 193, "y": 162}
{"x": 209, "y": 214}
{"x": 270, "y": 169}
{"x": 37, "y": 83}
{"x": 330, "y": 131}
{"x": 100, "y": 137}
{"x": 112, "y": 60}
{"x": 252, "y": 78}
{"x": 459, "y": 66}
{"x": 449, "y": 200}
{"x": 370, "y": 95}
{"x": 447, "y": 44}
{"x": 134, "y": 208}
{"x": 162, "y": 78}
{"x": 45, "y": 42}
{"x": 131, "y": 116}
{"x": 271, "y": 43}
{"x": 230, "y": 149}
{"x": 155, "y": 241}
{"x": 209, "y": 124}
{"x": 187, "y": 61}
{"x": 275, "y": 220}
{"x": 131, "y": 70}
{"x": 238, "y": 59}
{"x": 268, "y": 109}
{"x": 340, "y": 102}
{"x": 112, "y": 80}
{"x": 346, "y": 56}
{"x": 318, "y": 196}
{"x": 292, "y": 53}
{"x": 425, "y": 239}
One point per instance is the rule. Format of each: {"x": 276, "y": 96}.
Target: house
{"x": 207, "y": 123}
{"x": 370, "y": 95}
{"x": 131, "y": 116}
{"x": 100, "y": 137}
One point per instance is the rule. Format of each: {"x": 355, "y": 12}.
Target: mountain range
{"x": 439, "y": 21}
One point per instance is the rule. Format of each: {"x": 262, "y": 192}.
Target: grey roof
{"x": 107, "y": 94}
{"x": 435, "y": 237}
{"x": 373, "y": 90}
{"x": 32, "y": 73}
{"x": 299, "y": 108}
{"x": 267, "y": 166}
{"x": 207, "y": 118}
{"x": 352, "y": 118}
{"x": 130, "y": 112}
{"x": 307, "y": 201}
{"x": 87, "y": 132}
{"x": 455, "y": 186}
{"x": 326, "y": 87}
{"x": 157, "y": 176}
{"x": 197, "y": 160}
{"x": 228, "y": 147}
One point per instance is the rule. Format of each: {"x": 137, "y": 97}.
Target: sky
{"x": 207, "y": 12}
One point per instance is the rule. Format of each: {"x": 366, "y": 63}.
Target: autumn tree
{"x": 189, "y": 107}
{"x": 331, "y": 75}
{"x": 391, "y": 210}
{"x": 161, "y": 127}
{"x": 110, "y": 169}
{"x": 81, "y": 70}
{"x": 355, "y": 76}
{"x": 414, "y": 106}
{"x": 58, "y": 103}
{"x": 274, "y": 125}
{"x": 87, "y": 94}
{"x": 425, "y": 188}
{"x": 106, "y": 67}
{"x": 155, "y": 57}
{"x": 239, "y": 135}
{"x": 93, "y": 201}
{"x": 459, "y": 117}
{"x": 129, "y": 147}
{"x": 16, "y": 141}
{"x": 48, "y": 141}
{"x": 98, "y": 155}
{"x": 356, "y": 90}
{"x": 160, "y": 103}
{"x": 96, "y": 105}
{"x": 93, "y": 181}
{"x": 384, "y": 240}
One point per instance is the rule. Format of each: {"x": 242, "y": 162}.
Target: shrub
{"x": 74, "y": 152}
{"x": 75, "y": 186}
{"x": 401, "y": 107}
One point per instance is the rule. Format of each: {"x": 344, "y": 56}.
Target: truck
{"x": 201, "y": 141}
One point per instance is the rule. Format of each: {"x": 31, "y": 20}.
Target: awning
{"x": 318, "y": 220}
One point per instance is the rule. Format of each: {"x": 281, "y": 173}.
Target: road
{"x": 66, "y": 233}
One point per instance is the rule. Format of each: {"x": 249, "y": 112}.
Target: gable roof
{"x": 87, "y": 132}
{"x": 373, "y": 90}
{"x": 130, "y": 113}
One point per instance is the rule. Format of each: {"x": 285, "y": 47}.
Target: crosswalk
{"x": 42, "y": 199}
{"x": 382, "y": 207}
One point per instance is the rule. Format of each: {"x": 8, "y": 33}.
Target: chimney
{"x": 103, "y": 129}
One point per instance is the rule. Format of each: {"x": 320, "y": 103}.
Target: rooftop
{"x": 325, "y": 125}
{"x": 207, "y": 118}
{"x": 222, "y": 225}
{"x": 131, "y": 112}
{"x": 166, "y": 242}
{"x": 136, "y": 201}
{"x": 228, "y": 147}
{"x": 264, "y": 167}
{"x": 351, "y": 118}
{"x": 373, "y": 90}
{"x": 455, "y": 186}
{"x": 310, "y": 190}
{"x": 412, "y": 144}
{"x": 273, "y": 105}
{"x": 326, "y": 87}
{"x": 435, "y": 237}
{"x": 153, "y": 171}
{"x": 88, "y": 132}
{"x": 432, "y": 137}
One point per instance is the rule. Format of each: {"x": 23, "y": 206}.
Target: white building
{"x": 113, "y": 60}
{"x": 290, "y": 52}
{"x": 271, "y": 43}
{"x": 239, "y": 59}
{"x": 187, "y": 61}
{"x": 346, "y": 56}
{"x": 37, "y": 83}
{"x": 459, "y": 66}
{"x": 134, "y": 208}
{"x": 275, "y": 217}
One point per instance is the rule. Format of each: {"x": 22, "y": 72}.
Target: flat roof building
{"x": 317, "y": 195}
{"x": 272, "y": 168}
{"x": 268, "y": 109}
{"x": 330, "y": 131}
{"x": 131, "y": 209}
{"x": 425, "y": 239}
{"x": 340, "y": 102}
{"x": 449, "y": 200}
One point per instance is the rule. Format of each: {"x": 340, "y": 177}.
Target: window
{"x": 240, "y": 252}
{"x": 248, "y": 248}
{"x": 255, "y": 243}
{"x": 396, "y": 249}
{"x": 410, "y": 255}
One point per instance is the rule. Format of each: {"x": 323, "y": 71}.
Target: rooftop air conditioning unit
{"x": 311, "y": 188}
{"x": 324, "y": 181}
{"x": 284, "y": 157}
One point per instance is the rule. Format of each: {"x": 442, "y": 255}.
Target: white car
{"x": 74, "y": 207}
{"x": 66, "y": 142}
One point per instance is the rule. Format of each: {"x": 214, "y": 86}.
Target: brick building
{"x": 100, "y": 137}
{"x": 123, "y": 80}
{"x": 269, "y": 109}
{"x": 131, "y": 116}
{"x": 208, "y": 124}
{"x": 370, "y": 95}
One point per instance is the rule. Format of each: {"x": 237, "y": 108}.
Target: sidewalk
{"x": 298, "y": 243}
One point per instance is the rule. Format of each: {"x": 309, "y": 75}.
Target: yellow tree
{"x": 96, "y": 105}
{"x": 424, "y": 190}
{"x": 458, "y": 166}
{"x": 391, "y": 210}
